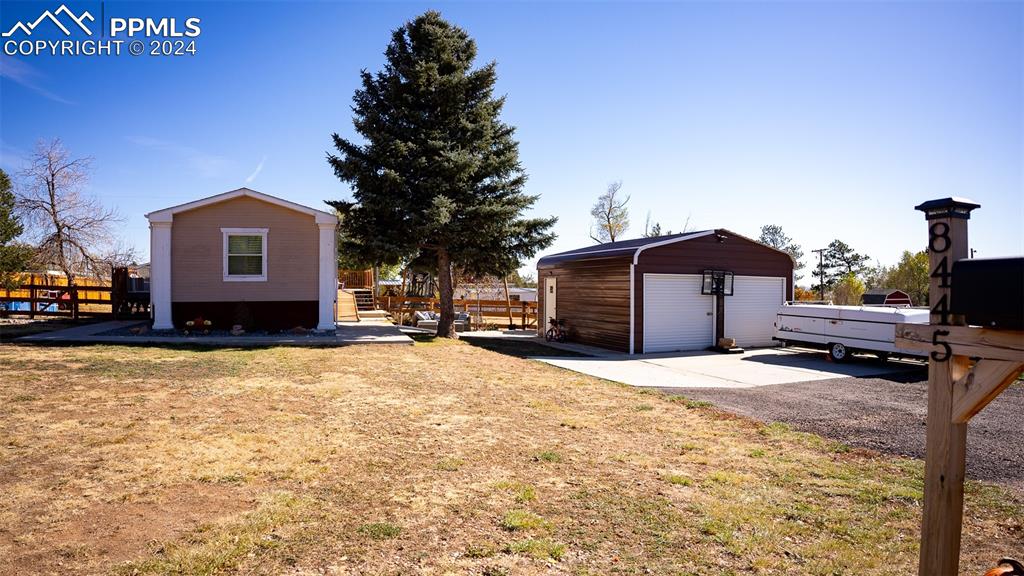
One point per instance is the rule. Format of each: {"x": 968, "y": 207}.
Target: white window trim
{"x": 262, "y": 232}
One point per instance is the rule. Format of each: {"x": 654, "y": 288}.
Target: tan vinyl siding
{"x": 197, "y": 253}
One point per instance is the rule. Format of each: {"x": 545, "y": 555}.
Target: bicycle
{"x": 556, "y": 331}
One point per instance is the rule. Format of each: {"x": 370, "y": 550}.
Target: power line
{"x": 821, "y": 273}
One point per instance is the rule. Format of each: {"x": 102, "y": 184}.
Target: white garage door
{"x": 676, "y": 315}
{"x": 750, "y": 311}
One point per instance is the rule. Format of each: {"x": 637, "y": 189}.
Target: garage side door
{"x": 750, "y": 311}
{"x": 676, "y": 315}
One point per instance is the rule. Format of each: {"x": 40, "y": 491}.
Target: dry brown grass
{"x": 442, "y": 458}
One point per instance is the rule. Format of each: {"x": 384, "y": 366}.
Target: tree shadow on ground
{"x": 520, "y": 348}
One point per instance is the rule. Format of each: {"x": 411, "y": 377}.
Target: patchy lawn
{"x": 438, "y": 458}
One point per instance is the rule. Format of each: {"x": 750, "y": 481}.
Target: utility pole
{"x": 821, "y": 273}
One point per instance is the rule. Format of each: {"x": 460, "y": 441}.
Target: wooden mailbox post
{"x": 967, "y": 368}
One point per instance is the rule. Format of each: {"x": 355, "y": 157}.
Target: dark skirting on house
{"x": 251, "y": 315}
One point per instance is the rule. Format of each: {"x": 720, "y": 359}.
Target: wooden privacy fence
{"x": 524, "y": 312}
{"x": 46, "y": 295}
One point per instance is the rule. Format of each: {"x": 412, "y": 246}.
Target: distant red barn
{"x": 886, "y": 297}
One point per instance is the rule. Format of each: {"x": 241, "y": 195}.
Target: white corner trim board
{"x": 262, "y": 233}
{"x": 328, "y": 276}
{"x": 160, "y": 274}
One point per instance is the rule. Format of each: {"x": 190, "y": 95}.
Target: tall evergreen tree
{"x": 772, "y": 235}
{"x": 838, "y": 261}
{"x": 10, "y": 225}
{"x": 842, "y": 260}
{"x": 14, "y": 256}
{"x": 437, "y": 178}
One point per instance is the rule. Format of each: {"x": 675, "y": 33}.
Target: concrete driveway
{"x": 753, "y": 368}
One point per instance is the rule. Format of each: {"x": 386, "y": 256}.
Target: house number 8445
{"x": 938, "y": 243}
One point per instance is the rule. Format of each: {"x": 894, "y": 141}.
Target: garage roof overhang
{"x": 633, "y": 248}
{"x": 630, "y": 248}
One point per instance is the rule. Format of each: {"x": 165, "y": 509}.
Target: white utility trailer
{"x": 846, "y": 329}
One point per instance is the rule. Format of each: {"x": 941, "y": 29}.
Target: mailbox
{"x": 989, "y": 292}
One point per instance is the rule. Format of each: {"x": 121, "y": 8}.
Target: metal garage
{"x": 651, "y": 294}
{"x": 750, "y": 311}
{"x": 676, "y": 315}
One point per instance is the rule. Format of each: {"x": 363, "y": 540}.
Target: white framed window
{"x": 245, "y": 254}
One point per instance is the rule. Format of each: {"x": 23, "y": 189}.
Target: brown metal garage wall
{"x": 593, "y": 298}
{"x": 739, "y": 255}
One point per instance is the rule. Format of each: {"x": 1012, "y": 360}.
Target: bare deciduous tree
{"x": 117, "y": 254}
{"x": 687, "y": 227}
{"x": 611, "y": 217}
{"x": 73, "y": 230}
{"x": 653, "y": 229}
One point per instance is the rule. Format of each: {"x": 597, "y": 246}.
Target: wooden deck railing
{"x": 525, "y": 312}
{"x": 355, "y": 278}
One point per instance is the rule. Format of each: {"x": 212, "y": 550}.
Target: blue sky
{"x": 830, "y": 119}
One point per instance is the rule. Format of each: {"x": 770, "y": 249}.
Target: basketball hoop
{"x": 717, "y": 282}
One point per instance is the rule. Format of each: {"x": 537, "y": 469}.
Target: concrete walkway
{"x": 346, "y": 333}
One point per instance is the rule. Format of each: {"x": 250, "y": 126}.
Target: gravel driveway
{"x": 885, "y": 414}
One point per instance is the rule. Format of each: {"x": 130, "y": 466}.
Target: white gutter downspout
{"x": 636, "y": 255}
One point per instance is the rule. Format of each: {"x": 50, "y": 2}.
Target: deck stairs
{"x": 373, "y": 315}
{"x": 364, "y": 299}
{"x": 357, "y": 304}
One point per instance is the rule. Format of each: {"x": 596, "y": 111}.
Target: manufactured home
{"x": 648, "y": 295}
{"x": 515, "y": 293}
{"x": 243, "y": 257}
